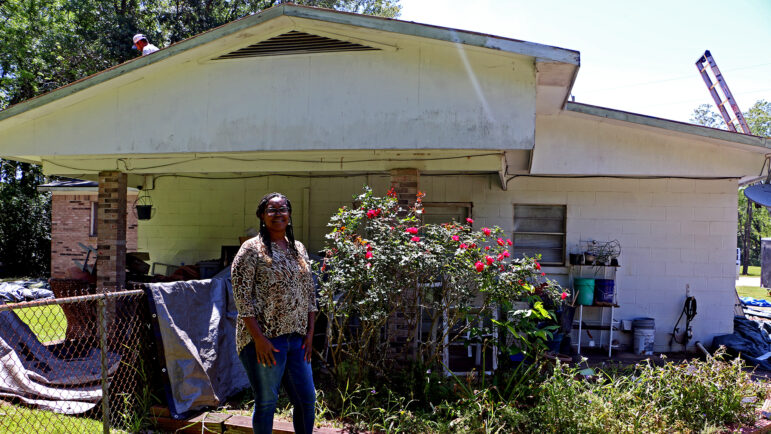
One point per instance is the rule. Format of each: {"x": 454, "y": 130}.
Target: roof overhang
{"x": 713, "y": 135}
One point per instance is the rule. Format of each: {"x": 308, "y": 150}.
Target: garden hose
{"x": 689, "y": 310}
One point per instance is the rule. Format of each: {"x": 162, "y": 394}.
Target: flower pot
{"x": 144, "y": 212}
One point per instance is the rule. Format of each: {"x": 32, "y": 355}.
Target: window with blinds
{"x": 540, "y": 229}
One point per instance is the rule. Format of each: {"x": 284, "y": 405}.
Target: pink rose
{"x": 413, "y": 231}
{"x": 455, "y": 238}
{"x": 500, "y": 257}
{"x": 489, "y": 260}
{"x": 537, "y": 266}
{"x": 368, "y": 255}
{"x": 508, "y": 241}
{"x": 487, "y": 247}
{"x": 463, "y": 246}
{"x": 370, "y": 214}
{"x": 486, "y": 231}
{"x": 469, "y": 221}
{"x": 415, "y": 239}
{"x": 500, "y": 241}
{"x": 564, "y": 296}
{"x": 479, "y": 266}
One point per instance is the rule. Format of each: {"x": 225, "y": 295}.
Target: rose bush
{"x": 390, "y": 283}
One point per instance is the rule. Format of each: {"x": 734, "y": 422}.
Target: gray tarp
{"x": 24, "y": 290}
{"x": 197, "y": 322}
{"x": 31, "y": 373}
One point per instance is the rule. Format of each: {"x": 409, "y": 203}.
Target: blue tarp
{"x": 749, "y": 301}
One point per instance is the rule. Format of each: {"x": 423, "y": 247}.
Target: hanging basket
{"x": 143, "y": 206}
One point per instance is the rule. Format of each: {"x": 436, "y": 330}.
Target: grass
{"x": 17, "y": 419}
{"x": 754, "y": 292}
{"x": 753, "y": 270}
{"x": 47, "y": 322}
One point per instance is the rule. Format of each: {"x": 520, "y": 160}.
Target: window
{"x": 540, "y": 229}
{"x": 446, "y": 212}
{"x": 93, "y": 222}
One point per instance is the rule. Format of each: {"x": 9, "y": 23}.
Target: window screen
{"x": 540, "y": 229}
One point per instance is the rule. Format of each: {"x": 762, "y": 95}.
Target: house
{"x": 317, "y": 103}
{"x": 74, "y": 223}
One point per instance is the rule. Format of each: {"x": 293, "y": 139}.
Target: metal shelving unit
{"x": 598, "y": 272}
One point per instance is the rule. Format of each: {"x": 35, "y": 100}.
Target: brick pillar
{"x": 111, "y": 231}
{"x": 405, "y": 184}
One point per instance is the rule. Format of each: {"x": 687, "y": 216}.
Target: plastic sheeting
{"x": 750, "y": 339}
{"x": 24, "y": 290}
{"x": 31, "y": 373}
{"x": 196, "y": 320}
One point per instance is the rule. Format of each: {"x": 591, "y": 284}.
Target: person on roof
{"x": 143, "y": 45}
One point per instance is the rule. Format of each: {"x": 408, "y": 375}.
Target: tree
{"x": 758, "y": 118}
{"x": 46, "y": 44}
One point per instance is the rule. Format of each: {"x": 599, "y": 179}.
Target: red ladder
{"x": 729, "y": 98}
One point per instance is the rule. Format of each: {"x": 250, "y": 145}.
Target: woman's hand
{"x": 308, "y": 346}
{"x": 265, "y": 350}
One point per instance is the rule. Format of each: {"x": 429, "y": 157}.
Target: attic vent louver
{"x": 295, "y": 42}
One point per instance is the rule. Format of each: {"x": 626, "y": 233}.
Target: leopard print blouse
{"x": 278, "y": 291}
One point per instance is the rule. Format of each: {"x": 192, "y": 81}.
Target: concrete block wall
{"x": 673, "y": 233}
{"x": 71, "y": 224}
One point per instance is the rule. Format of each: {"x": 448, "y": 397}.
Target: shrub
{"x": 382, "y": 263}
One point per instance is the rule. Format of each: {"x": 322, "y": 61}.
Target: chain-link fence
{"x": 77, "y": 363}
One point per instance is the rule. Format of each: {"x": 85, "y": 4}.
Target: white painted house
{"x": 317, "y": 103}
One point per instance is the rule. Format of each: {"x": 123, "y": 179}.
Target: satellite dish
{"x": 759, "y": 193}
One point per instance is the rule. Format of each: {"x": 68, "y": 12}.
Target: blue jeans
{"x": 293, "y": 372}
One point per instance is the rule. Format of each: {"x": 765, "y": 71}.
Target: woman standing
{"x": 276, "y": 301}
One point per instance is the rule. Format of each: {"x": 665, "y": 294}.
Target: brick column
{"x": 111, "y": 231}
{"x": 405, "y": 184}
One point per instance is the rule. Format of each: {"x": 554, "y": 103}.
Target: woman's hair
{"x": 264, "y": 234}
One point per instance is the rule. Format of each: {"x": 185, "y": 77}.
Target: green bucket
{"x": 585, "y": 289}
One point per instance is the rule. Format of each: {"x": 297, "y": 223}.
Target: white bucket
{"x": 644, "y": 331}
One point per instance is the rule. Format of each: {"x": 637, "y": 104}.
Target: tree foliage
{"x": 758, "y": 118}
{"x": 46, "y": 44}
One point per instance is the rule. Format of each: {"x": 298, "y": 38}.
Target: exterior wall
{"x": 576, "y": 144}
{"x": 427, "y": 96}
{"x": 71, "y": 224}
{"x": 672, "y": 232}
{"x": 194, "y": 218}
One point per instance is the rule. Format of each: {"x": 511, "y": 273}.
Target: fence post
{"x": 102, "y": 317}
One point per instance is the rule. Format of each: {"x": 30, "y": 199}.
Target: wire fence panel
{"x": 75, "y": 364}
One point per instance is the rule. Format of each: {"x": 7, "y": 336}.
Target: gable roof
{"x": 546, "y": 55}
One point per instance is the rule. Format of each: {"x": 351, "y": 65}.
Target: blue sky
{"x": 636, "y": 56}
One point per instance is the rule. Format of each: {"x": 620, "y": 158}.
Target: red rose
{"x": 370, "y": 214}
{"x": 473, "y": 245}
{"x": 489, "y": 260}
{"x": 564, "y": 296}
{"x": 369, "y": 247}
{"x": 377, "y": 212}
{"x": 537, "y": 266}
{"x": 487, "y": 247}
{"x": 455, "y": 238}
{"x": 500, "y": 241}
{"x": 502, "y": 268}
{"x": 415, "y": 239}
{"x": 506, "y": 254}
{"x": 543, "y": 274}
{"x": 368, "y": 255}
{"x": 463, "y": 246}
{"x": 486, "y": 231}
{"x": 324, "y": 267}
{"x": 413, "y": 231}
{"x": 469, "y": 221}
{"x": 500, "y": 257}
{"x": 509, "y": 242}
{"x": 479, "y": 266}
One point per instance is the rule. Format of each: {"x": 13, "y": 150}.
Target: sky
{"x": 636, "y": 56}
